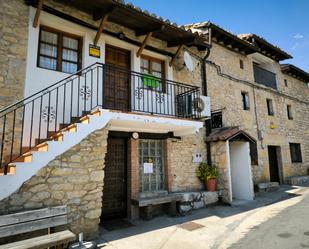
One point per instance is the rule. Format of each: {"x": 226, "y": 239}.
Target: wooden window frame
{"x": 270, "y": 107}
{"x": 296, "y": 158}
{"x": 162, "y": 62}
{"x": 245, "y": 105}
{"x": 60, "y": 47}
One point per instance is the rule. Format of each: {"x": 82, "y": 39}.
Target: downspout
{"x": 205, "y": 92}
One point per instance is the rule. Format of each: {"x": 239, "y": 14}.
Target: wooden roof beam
{"x": 176, "y": 55}
{"x": 100, "y": 29}
{"x": 143, "y": 45}
{"x": 37, "y": 14}
{"x": 153, "y": 28}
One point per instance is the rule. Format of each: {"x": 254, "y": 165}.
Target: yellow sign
{"x": 94, "y": 51}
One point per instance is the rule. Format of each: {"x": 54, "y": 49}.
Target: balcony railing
{"x": 34, "y": 119}
{"x": 264, "y": 77}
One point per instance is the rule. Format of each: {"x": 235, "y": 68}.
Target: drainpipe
{"x": 204, "y": 88}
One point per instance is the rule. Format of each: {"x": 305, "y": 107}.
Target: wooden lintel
{"x": 101, "y": 27}
{"x": 140, "y": 50}
{"x": 37, "y": 13}
{"x": 176, "y": 55}
{"x": 152, "y": 29}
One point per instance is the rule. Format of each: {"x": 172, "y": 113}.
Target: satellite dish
{"x": 188, "y": 61}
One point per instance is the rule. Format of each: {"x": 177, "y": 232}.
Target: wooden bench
{"x": 146, "y": 204}
{"x": 34, "y": 220}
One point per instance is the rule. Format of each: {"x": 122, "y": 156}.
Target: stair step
{"x": 10, "y": 171}
{"x": 96, "y": 112}
{"x": 70, "y": 128}
{"x": 62, "y": 126}
{"x": 25, "y": 158}
{"x": 56, "y": 137}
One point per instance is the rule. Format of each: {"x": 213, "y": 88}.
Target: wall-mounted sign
{"x": 94, "y": 51}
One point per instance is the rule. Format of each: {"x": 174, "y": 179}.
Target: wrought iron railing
{"x": 36, "y": 118}
{"x": 264, "y": 77}
{"x": 216, "y": 120}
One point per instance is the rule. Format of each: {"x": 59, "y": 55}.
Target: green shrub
{"x": 205, "y": 171}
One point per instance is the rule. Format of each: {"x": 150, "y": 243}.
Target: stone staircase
{"x": 26, "y": 165}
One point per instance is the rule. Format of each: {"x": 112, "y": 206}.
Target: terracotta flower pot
{"x": 211, "y": 184}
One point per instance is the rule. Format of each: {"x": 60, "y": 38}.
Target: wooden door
{"x": 117, "y": 79}
{"x": 273, "y": 164}
{"x": 115, "y": 180}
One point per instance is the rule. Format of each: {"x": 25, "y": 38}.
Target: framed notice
{"x": 94, "y": 51}
{"x": 148, "y": 168}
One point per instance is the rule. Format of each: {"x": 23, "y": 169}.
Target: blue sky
{"x": 285, "y": 23}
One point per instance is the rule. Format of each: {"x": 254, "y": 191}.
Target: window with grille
{"x": 154, "y": 73}
{"x": 151, "y": 151}
{"x": 59, "y": 51}
{"x": 295, "y": 153}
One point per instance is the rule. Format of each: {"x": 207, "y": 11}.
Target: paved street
{"x": 273, "y": 220}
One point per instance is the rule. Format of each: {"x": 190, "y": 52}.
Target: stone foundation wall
{"x": 74, "y": 179}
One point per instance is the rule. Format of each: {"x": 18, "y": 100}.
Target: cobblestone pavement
{"x": 272, "y": 220}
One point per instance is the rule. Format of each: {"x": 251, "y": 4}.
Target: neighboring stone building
{"x": 249, "y": 89}
{"x": 108, "y": 113}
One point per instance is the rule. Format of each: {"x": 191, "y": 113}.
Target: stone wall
{"x": 182, "y": 169}
{"x": 13, "y": 50}
{"x": 74, "y": 179}
{"x": 219, "y": 152}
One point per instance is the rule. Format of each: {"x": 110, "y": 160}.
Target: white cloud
{"x": 298, "y": 36}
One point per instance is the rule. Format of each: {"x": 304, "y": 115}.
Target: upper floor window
{"x": 59, "y": 51}
{"x": 295, "y": 151}
{"x": 263, "y": 76}
{"x": 286, "y": 82}
{"x": 245, "y": 100}
{"x": 270, "y": 108}
{"x": 154, "y": 73}
{"x": 241, "y": 64}
{"x": 289, "y": 112}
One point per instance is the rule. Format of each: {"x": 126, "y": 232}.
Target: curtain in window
{"x": 69, "y": 55}
{"x": 48, "y": 50}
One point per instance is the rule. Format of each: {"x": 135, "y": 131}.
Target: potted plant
{"x": 208, "y": 174}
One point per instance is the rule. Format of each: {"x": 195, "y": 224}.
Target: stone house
{"x": 98, "y": 110}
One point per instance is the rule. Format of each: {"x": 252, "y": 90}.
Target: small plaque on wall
{"x": 94, "y": 51}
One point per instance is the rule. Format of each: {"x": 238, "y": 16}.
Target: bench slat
{"x": 27, "y": 216}
{"x": 143, "y": 202}
{"x": 42, "y": 241}
{"x": 32, "y": 225}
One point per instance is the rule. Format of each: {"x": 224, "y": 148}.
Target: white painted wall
{"x": 241, "y": 176}
{"x": 39, "y": 78}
